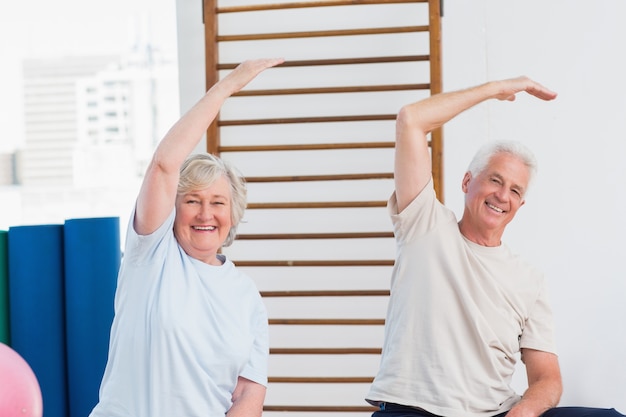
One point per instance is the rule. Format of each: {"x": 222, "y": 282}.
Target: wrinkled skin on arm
{"x": 248, "y": 399}
{"x": 544, "y": 384}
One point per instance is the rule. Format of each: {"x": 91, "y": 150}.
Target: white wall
{"x": 572, "y": 223}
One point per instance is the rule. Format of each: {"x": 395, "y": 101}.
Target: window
{"x": 65, "y": 61}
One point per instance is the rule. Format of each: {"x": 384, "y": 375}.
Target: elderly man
{"x": 463, "y": 306}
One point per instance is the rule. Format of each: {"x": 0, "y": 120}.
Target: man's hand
{"x": 507, "y": 89}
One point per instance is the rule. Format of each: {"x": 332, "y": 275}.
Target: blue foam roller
{"x": 36, "y": 309}
{"x": 92, "y": 260}
{"x": 4, "y": 288}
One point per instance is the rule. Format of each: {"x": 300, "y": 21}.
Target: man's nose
{"x": 502, "y": 194}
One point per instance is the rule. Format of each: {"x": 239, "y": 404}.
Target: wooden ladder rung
{"x": 322, "y": 33}
{"x": 320, "y": 408}
{"x": 326, "y": 351}
{"x": 281, "y": 263}
{"x": 301, "y": 4}
{"x": 317, "y": 119}
{"x": 315, "y": 205}
{"x": 326, "y": 293}
{"x": 329, "y": 177}
{"x": 327, "y": 322}
{"x": 309, "y": 236}
{"x": 321, "y": 379}
{"x": 307, "y": 147}
{"x": 334, "y": 90}
{"x": 340, "y": 61}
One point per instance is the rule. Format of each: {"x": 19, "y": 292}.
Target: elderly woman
{"x": 190, "y": 335}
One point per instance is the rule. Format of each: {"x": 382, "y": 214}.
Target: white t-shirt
{"x": 183, "y": 332}
{"x": 457, "y": 317}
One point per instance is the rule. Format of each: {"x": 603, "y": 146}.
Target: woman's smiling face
{"x": 203, "y": 220}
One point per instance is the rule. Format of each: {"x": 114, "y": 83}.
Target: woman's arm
{"x": 157, "y": 195}
{"x": 248, "y": 399}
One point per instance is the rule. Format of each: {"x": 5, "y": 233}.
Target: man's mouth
{"x": 494, "y": 208}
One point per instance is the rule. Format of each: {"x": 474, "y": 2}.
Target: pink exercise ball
{"x": 20, "y": 395}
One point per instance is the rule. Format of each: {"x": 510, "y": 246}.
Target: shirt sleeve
{"x": 256, "y": 368}
{"x": 538, "y": 332}
{"x": 144, "y": 247}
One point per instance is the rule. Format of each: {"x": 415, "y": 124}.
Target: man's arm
{"x": 248, "y": 399}
{"x": 415, "y": 121}
{"x": 544, "y": 384}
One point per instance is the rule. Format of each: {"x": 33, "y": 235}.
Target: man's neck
{"x": 491, "y": 238}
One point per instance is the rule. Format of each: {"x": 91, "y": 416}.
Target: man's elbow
{"x": 406, "y": 117}
{"x": 415, "y": 118}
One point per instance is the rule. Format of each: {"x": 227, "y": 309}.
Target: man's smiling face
{"x": 493, "y": 197}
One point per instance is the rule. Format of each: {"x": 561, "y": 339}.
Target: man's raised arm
{"x": 415, "y": 121}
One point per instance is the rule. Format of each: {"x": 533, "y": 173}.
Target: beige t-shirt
{"x": 458, "y": 315}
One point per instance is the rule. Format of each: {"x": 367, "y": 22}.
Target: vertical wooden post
{"x": 209, "y": 12}
{"x": 436, "y": 139}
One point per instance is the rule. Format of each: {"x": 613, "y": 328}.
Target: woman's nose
{"x": 205, "y": 211}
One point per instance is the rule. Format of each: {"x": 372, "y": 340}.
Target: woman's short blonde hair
{"x": 200, "y": 171}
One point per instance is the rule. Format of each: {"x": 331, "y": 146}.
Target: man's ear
{"x": 466, "y": 179}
